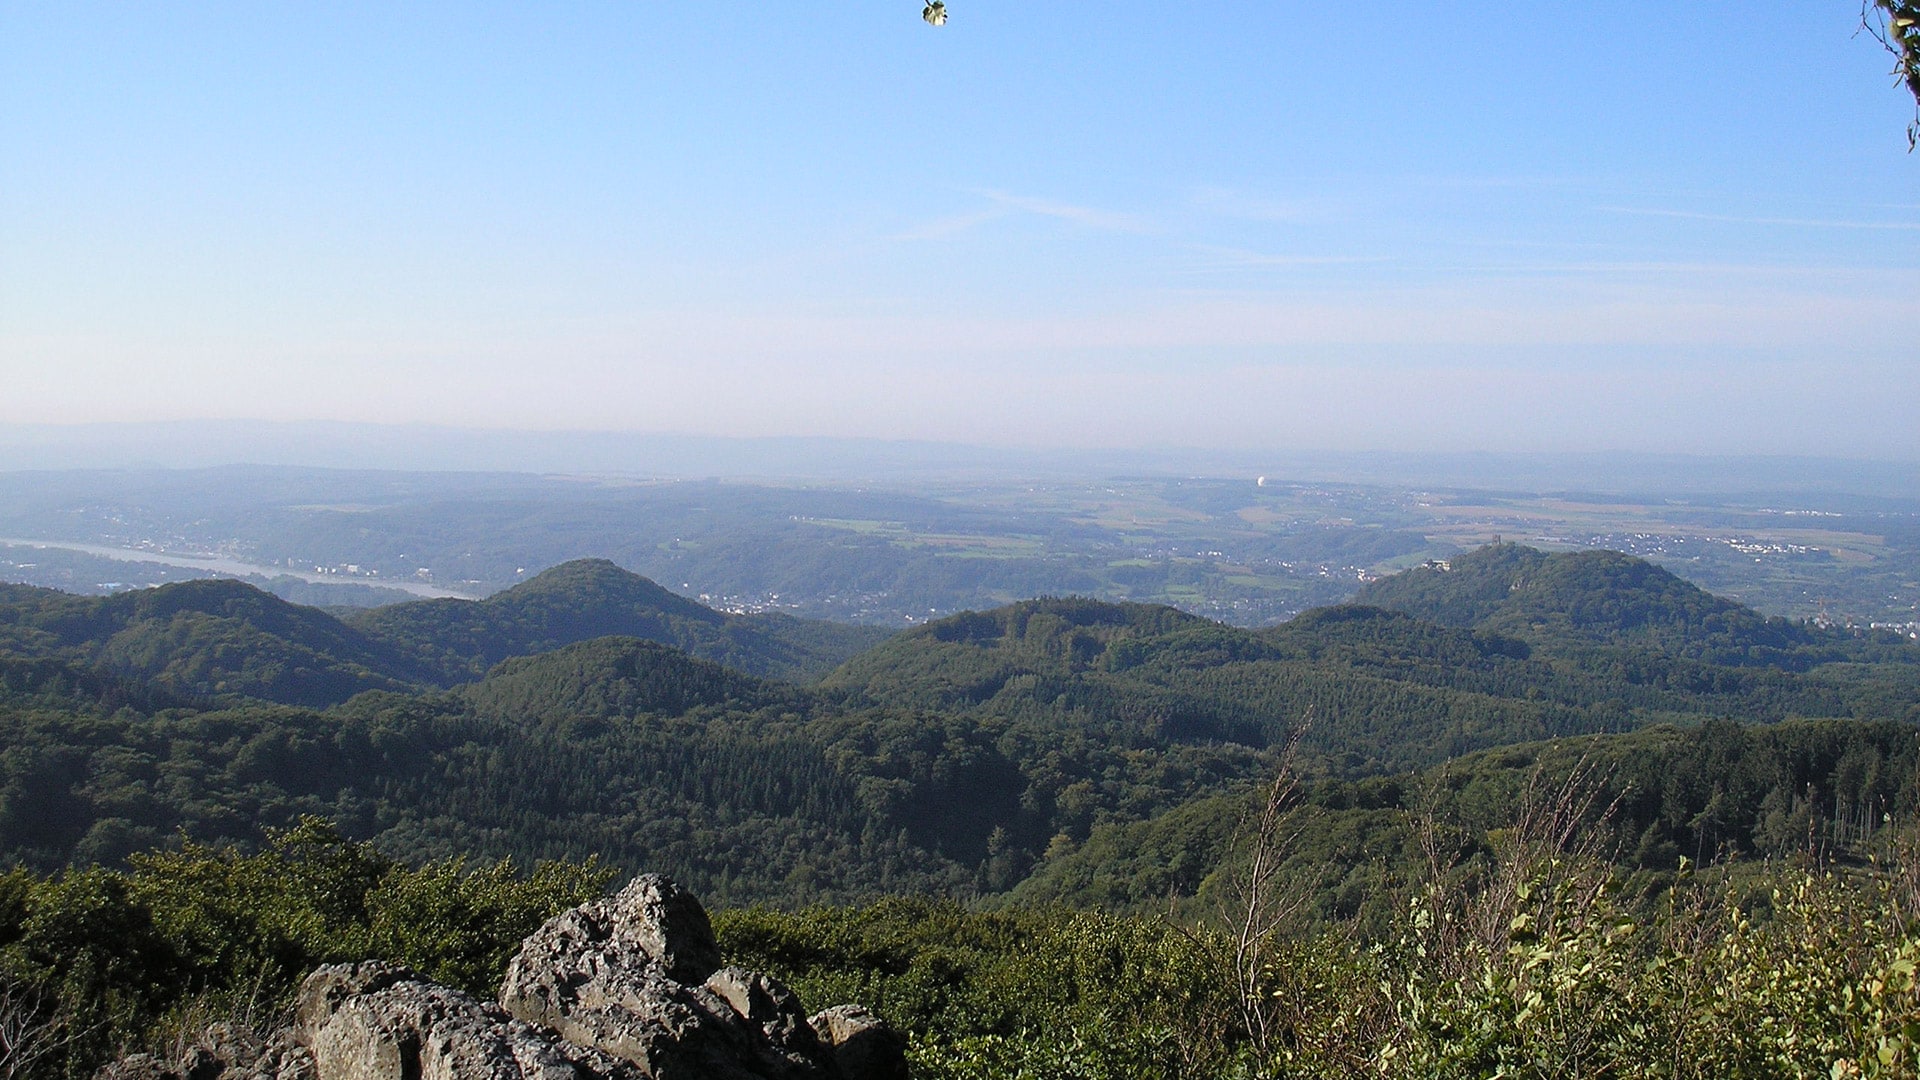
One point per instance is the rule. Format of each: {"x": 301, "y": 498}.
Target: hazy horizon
{"x": 403, "y": 448}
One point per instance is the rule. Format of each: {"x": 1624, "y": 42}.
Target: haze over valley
{"x": 1247, "y": 550}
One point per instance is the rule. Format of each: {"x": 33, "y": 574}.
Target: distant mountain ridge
{"x": 1511, "y": 644}
{"x": 961, "y": 755}
{"x": 211, "y": 638}
{"x": 206, "y": 638}
{"x": 1582, "y": 598}
{"x": 591, "y": 598}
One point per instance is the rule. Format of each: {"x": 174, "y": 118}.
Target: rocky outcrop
{"x": 625, "y": 988}
{"x": 864, "y": 1045}
{"x": 638, "y": 976}
{"x": 377, "y": 1021}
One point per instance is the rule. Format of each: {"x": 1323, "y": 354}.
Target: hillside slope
{"x": 616, "y": 677}
{"x": 1377, "y": 690}
{"x": 589, "y": 598}
{"x": 1789, "y": 791}
{"x": 206, "y": 638}
{"x": 957, "y": 757}
{"x": 1569, "y": 600}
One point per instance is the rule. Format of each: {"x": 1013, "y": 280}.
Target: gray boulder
{"x": 637, "y": 975}
{"x": 376, "y": 1021}
{"x": 864, "y": 1046}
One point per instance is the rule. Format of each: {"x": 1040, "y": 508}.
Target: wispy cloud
{"x": 942, "y": 228}
{"x": 1091, "y": 217}
{"x": 1005, "y": 205}
{"x": 1642, "y": 269}
{"x": 1804, "y": 223}
{"x": 1232, "y": 204}
{"x": 1229, "y": 258}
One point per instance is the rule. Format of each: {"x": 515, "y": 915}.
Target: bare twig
{"x": 1557, "y": 841}
{"x": 31, "y": 1028}
{"x": 1257, "y": 903}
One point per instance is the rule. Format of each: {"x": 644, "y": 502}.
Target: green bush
{"x": 114, "y": 960}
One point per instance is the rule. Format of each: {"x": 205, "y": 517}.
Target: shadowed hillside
{"x": 616, "y": 677}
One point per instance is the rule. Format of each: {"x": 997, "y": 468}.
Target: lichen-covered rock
{"x": 652, "y": 918}
{"x": 283, "y": 1059}
{"x": 376, "y": 1021}
{"x": 864, "y": 1046}
{"x": 637, "y": 976}
{"x": 767, "y": 1007}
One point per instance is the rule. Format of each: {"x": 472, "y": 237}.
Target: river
{"x": 218, "y": 565}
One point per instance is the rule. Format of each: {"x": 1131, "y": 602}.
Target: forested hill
{"x": 205, "y": 639}
{"x": 1796, "y": 790}
{"x": 968, "y": 658}
{"x": 226, "y": 639}
{"x": 955, "y": 756}
{"x": 589, "y": 598}
{"x": 1379, "y": 690}
{"x": 618, "y": 677}
{"x": 1568, "y": 600}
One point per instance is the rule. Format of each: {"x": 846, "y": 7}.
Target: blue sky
{"x": 1654, "y": 226}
